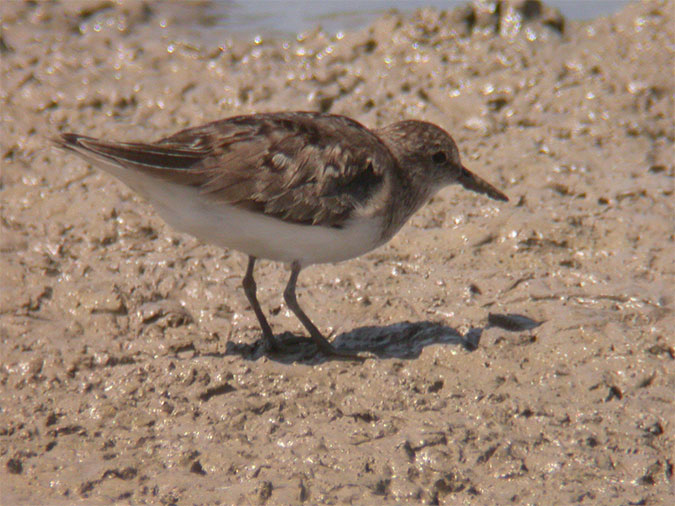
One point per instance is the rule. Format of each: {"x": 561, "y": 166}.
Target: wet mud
{"x": 523, "y": 352}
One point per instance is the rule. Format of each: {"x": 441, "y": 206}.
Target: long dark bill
{"x": 472, "y": 182}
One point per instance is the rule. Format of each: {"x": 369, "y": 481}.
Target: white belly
{"x": 263, "y": 236}
{"x": 185, "y": 209}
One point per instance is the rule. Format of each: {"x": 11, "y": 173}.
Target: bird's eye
{"x": 439, "y": 157}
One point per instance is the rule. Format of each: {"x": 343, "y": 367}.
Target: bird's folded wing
{"x": 300, "y": 167}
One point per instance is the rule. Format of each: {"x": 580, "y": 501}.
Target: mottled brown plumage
{"x": 275, "y": 185}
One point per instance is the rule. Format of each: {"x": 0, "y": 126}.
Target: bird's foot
{"x": 290, "y": 343}
{"x": 327, "y": 348}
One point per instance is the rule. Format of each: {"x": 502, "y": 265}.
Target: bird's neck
{"x": 410, "y": 195}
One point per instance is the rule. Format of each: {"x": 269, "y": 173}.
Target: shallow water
{"x": 290, "y": 17}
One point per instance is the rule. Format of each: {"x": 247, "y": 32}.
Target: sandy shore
{"x": 127, "y": 372}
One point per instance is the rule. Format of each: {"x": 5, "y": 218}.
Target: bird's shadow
{"x": 404, "y": 340}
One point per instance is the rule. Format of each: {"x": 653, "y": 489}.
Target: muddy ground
{"x": 129, "y": 368}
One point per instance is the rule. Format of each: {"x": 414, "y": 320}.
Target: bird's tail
{"x": 150, "y": 158}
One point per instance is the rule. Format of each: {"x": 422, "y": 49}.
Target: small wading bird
{"x": 295, "y": 187}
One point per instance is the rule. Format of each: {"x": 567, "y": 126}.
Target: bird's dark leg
{"x": 292, "y": 302}
{"x": 250, "y": 291}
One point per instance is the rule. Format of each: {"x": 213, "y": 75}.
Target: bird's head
{"x": 430, "y": 154}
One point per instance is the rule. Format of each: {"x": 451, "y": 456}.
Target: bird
{"x": 297, "y": 187}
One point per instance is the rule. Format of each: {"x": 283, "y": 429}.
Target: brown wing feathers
{"x": 134, "y": 154}
{"x": 290, "y": 166}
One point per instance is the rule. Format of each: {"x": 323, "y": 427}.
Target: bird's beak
{"x": 472, "y": 182}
